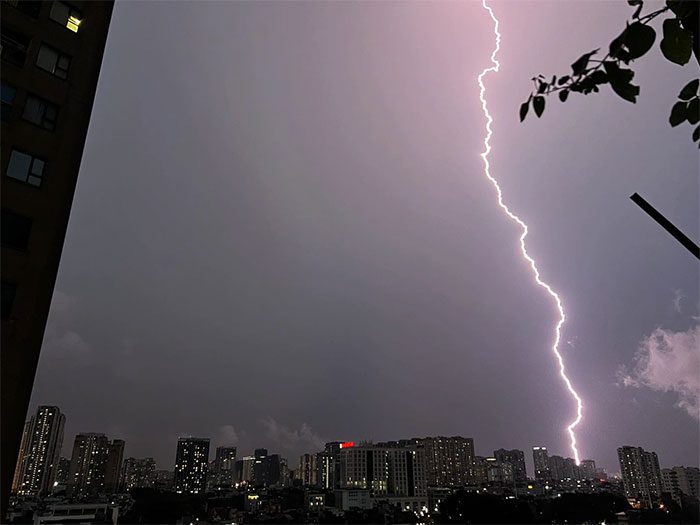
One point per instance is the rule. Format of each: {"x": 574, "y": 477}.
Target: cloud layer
{"x": 668, "y": 361}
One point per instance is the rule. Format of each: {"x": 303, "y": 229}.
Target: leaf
{"x": 599, "y": 77}
{"x": 523, "y": 109}
{"x": 542, "y": 88}
{"x": 696, "y": 134}
{"x": 693, "y": 113}
{"x": 680, "y": 8}
{"x": 538, "y": 105}
{"x": 690, "y": 90}
{"x": 563, "y": 80}
{"x": 639, "y": 38}
{"x": 563, "y": 95}
{"x": 678, "y": 113}
{"x": 639, "y": 4}
{"x": 621, "y": 81}
{"x": 617, "y": 48}
{"x": 677, "y": 44}
{"x": 579, "y": 66}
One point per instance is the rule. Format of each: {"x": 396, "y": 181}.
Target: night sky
{"x": 282, "y": 235}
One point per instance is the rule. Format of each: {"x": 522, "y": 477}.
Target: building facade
{"x": 51, "y": 58}
{"x": 191, "y": 465}
{"x": 516, "y": 459}
{"x": 308, "y": 470}
{"x": 138, "y": 473}
{"x": 113, "y": 465}
{"x": 449, "y": 461}
{"x": 87, "y": 465}
{"x": 641, "y": 474}
{"x": 540, "y": 458}
{"x": 37, "y": 464}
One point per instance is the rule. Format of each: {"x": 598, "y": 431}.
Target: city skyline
{"x": 324, "y": 259}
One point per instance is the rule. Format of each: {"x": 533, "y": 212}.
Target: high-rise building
{"x": 221, "y": 473}
{"x": 540, "y": 458}
{"x": 87, "y": 464}
{"x": 138, "y": 473}
{"x": 641, "y": 474}
{"x": 267, "y": 469}
{"x": 327, "y": 463}
{"x": 587, "y": 469}
{"x": 163, "y": 479}
{"x": 449, "y": 461}
{"x": 22, "y": 456}
{"x": 499, "y": 473}
{"x": 62, "y": 472}
{"x": 191, "y": 465}
{"x": 308, "y": 470}
{"x": 37, "y": 466}
{"x": 243, "y": 472}
{"x": 51, "y": 57}
{"x": 516, "y": 459}
{"x": 562, "y": 469}
{"x": 113, "y": 465}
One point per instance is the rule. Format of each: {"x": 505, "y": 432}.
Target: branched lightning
{"x": 487, "y": 170}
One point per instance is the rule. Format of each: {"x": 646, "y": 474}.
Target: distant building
{"x": 22, "y": 456}
{"x": 448, "y": 460}
{"x": 243, "y": 470}
{"x": 540, "y": 458}
{"x": 267, "y": 469}
{"x": 308, "y": 470}
{"x": 587, "y": 469}
{"x": 163, "y": 479}
{"x": 328, "y": 465}
{"x": 681, "y": 481}
{"x": 62, "y": 472}
{"x": 139, "y": 473}
{"x": 87, "y": 464}
{"x": 515, "y": 458}
{"x": 191, "y": 465}
{"x": 80, "y": 513}
{"x": 641, "y": 474}
{"x": 51, "y": 58}
{"x": 37, "y": 465}
{"x": 221, "y": 474}
{"x": 113, "y": 465}
{"x": 499, "y": 473}
{"x": 562, "y": 469}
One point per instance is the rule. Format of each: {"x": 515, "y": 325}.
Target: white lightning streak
{"x": 487, "y": 170}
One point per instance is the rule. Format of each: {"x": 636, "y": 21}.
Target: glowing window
{"x": 66, "y": 15}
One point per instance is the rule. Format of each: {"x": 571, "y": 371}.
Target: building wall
{"x": 191, "y": 465}
{"x": 35, "y": 216}
{"x": 449, "y": 460}
{"x": 87, "y": 468}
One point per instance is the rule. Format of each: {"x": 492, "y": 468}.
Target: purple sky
{"x": 282, "y": 235}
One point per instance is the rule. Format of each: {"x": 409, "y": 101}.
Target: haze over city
{"x": 282, "y": 236}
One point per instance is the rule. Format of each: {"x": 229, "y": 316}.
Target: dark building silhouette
{"x": 516, "y": 459}
{"x": 267, "y": 469}
{"x": 113, "y": 465}
{"x": 191, "y": 465}
{"x": 540, "y": 457}
{"x": 51, "y": 57}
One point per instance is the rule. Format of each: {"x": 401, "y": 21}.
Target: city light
{"x": 487, "y": 170}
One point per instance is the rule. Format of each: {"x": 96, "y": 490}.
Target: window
{"x": 66, "y": 15}
{"x": 13, "y": 46}
{"x": 8, "y": 95}
{"x": 40, "y": 112}
{"x": 53, "y": 61}
{"x": 26, "y": 168}
{"x": 7, "y": 298}
{"x": 15, "y": 229}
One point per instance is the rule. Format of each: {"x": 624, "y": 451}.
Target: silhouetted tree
{"x": 679, "y": 42}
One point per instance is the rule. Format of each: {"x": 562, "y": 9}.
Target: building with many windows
{"x": 449, "y": 461}
{"x": 113, "y": 465}
{"x": 540, "y": 457}
{"x": 516, "y": 459}
{"x": 680, "y": 482}
{"x": 37, "y": 464}
{"x": 87, "y": 465}
{"x": 138, "y": 473}
{"x": 641, "y": 474}
{"x": 308, "y": 470}
{"x": 191, "y": 465}
{"x": 51, "y": 55}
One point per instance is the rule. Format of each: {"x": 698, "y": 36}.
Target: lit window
{"x": 26, "y": 168}
{"x": 53, "y": 61}
{"x": 66, "y": 15}
{"x": 40, "y": 112}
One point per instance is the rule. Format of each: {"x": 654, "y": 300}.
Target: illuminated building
{"x": 21, "y": 457}
{"x": 243, "y": 470}
{"x": 37, "y": 465}
{"x": 540, "y": 458}
{"x": 51, "y": 57}
{"x": 87, "y": 464}
{"x": 221, "y": 474}
{"x": 308, "y": 470}
{"x": 449, "y": 461}
{"x": 562, "y": 469}
{"x": 641, "y": 474}
{"x": 138, "y": 473}
{"x": 515, "y": 458}
{"x": 113, "y": 465}
{"x": 191, "y": 465}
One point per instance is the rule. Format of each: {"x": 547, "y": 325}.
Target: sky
{"x": 282, "y": 235}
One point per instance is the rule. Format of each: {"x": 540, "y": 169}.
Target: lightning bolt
{"x": 487, "y": 170}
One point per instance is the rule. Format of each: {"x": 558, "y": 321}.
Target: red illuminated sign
{"x": 347, "y": 444}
